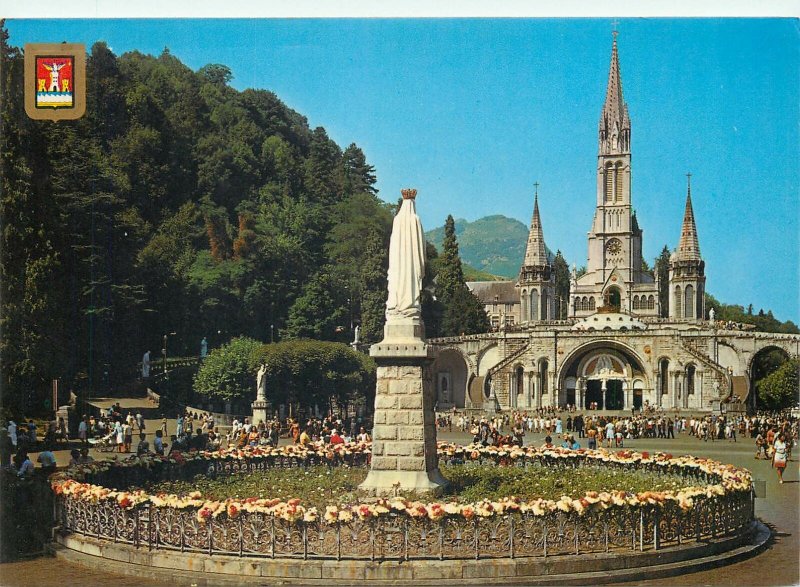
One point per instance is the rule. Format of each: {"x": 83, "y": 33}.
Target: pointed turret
{"x": 687, "y": 280}
{"x": 615, "y": 124}
{"x": 689, "y": 246}
{"x": 536, "y": 282}
{"x": 535, "y": 252}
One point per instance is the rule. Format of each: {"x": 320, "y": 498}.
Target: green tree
{"x": 661, "y": 269}
{"x": 359, "y": 176}
{"x": 463, "y": 312}
{"x": 779, "y": 389}
{"x": 432, "y": 309}
{"x": 764, "y": 322}
{"x": 561, "y": 270}
{"x": 228, "y": 372}
{"x": 30, "y": 266}
{"x": 317, "y": 313}
{"x": 305, "y": 373}
{"x": 358, "y": 252}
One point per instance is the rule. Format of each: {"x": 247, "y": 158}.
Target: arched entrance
{"x": 543, "y": 387}
{"x": 604, "y": 375}
{"x": 613, "y": 298}
{"x": 571, "y": 384}
{"x": 608, "y": 375}
{"x": 450, "y": 377}
{"x": 638, "y": 394}
{"x": 764, "y": 362}
{"x": 517, "y": 396}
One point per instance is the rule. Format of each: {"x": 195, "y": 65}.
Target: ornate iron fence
{"x": 402, "y": 538}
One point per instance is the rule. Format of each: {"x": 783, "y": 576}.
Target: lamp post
{"x": 562, "y": 305}
{"x": 271, "y": 333}
{"x": 164, "y": 349}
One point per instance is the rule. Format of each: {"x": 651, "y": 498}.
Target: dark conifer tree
{"x": 662, "y": 271}
{"x": 463, "y": 312}
{"x": 561, "y": 270}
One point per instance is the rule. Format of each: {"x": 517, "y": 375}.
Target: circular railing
{"x": 94, "y": 501}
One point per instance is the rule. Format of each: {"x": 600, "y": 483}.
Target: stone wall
{"x": 405, "y": 430}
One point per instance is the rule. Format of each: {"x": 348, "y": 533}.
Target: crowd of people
{"x": 773, "y": 433}
{"x": 611, "y": 431}
{"x": 329, "y": 430}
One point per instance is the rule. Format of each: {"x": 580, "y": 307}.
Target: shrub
{"x": 312, "y": 372}
{"x": 228, "y": 372}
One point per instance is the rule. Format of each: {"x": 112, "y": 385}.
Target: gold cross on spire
{"x": 615, "y": 23}
{"x": 536, "y": 186}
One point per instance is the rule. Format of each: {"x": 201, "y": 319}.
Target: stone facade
{"x": 617, "y": 362}
{"x": 614, "y": 350}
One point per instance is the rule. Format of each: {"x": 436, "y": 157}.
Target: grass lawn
{"x": 320, "y": 486}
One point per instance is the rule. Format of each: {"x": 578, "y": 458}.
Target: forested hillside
{"x": 176, "y": 205}
{"x": 494, "y": 244}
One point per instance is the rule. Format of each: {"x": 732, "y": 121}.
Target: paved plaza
{"x": 778, "y": 565}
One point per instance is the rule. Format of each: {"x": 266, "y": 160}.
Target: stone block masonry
{"x": 404, "y": 436}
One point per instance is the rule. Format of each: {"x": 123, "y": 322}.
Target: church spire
{"x": 689, "y": 246}
{"x": 535, "y": 252}
{"x": 615, "y": 124}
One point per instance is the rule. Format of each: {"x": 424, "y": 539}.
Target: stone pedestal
{"x": 259, "y": 412}
{"x": 404, "y": 438}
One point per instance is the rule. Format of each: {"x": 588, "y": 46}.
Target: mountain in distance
{"x": 493, "y": 244}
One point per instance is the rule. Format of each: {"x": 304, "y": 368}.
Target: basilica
{"x": 618, "y": 348}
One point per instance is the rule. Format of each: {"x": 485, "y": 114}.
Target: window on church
{"x": 545, "y": 314}
{"x": 651, "y": 303}
{"x": 591, "y": 303}
{"x": 677, "y": 301}
{"x": 607, "y": 181}
{"x": 688, "y": 307}
{"x": 664, "y": 376}
{"x": 618, "y": 183}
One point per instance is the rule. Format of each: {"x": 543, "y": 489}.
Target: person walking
{"x": 120, "y": 435}
{"x": 127, "y": 433}
{"x": 761, "y": 446}
{"x": 12, "y": 433}
{"x": 779, "y": 455}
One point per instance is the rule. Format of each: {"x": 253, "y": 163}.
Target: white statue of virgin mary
{"x": 406, "y": 262}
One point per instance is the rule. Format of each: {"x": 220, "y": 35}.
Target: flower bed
{"x": 719, "y": 503}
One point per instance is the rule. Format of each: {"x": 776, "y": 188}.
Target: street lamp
{"x": 562, "y": 305}
{"x": 164, "y": 349}
{"x": 272, "y": 333}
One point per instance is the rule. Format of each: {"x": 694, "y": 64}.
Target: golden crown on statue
{"x": 409, "y": 193}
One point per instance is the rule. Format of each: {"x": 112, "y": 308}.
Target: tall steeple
{"x": 687, "y": 279}
{"x": 615, "y": 124}
{"x": 689, "y": 246}
{"x": 536, "y": 283}
{"x": 535, "y": 252}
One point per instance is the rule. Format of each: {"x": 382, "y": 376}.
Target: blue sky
{"x": 472, "y": 112}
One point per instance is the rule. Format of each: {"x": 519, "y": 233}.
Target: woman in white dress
{"x": 120, "y": 436}
{"x": 779, "y": 455}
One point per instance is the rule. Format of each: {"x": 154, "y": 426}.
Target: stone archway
{"x": 605, "y": 372}
{"x": 764, "y": 361}
{"x": 613, "y": 298}
{"x": 450, "y": 379}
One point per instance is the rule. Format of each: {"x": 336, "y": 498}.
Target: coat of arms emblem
{"x": 55, "y": 81}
